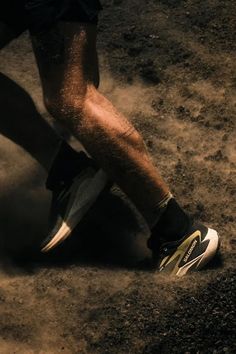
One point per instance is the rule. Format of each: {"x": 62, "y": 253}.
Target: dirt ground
{"x": 170, "y": 66}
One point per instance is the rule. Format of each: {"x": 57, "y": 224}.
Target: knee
{"x": 64, "y": 106}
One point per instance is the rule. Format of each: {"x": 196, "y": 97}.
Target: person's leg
{"x": 66, "y": 57}
{"x": 15, "y": 99}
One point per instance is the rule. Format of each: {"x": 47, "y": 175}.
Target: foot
{"x": 74, "y": 190}
{"x": 191, "y": 253}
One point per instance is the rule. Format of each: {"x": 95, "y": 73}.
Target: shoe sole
{"x": 85, "y": 196}
{"x": 199, "y": 262}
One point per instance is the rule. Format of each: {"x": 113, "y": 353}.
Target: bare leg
{"x": 67, "y": 61}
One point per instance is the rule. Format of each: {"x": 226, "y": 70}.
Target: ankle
{"x": 152, "y": 215}
{"x": 172, "y": 225}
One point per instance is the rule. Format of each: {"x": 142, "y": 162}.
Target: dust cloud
{"x": 131, "y": 99}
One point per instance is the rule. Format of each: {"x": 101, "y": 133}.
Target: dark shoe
{"x": 75, "y": 183}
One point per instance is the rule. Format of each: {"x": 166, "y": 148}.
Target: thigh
{"x": 67, "y": 58}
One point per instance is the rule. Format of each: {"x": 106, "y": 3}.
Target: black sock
{"x": 172, "y": 225}
{"x": 66, "y": 165}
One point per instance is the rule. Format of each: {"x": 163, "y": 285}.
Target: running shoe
{"x": 191, "y": 253}
{"x": 75, "y": 183}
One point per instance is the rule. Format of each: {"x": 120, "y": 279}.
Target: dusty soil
{"x": 170, "y": 66}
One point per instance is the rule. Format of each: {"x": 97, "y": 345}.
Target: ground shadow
{"x": 109, "y": 235}
{"x": 21, "y": 122}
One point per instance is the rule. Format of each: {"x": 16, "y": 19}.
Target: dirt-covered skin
{"x": 170, "y": 66}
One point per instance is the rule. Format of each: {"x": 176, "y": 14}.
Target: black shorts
{"x": 39, "y": 15}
